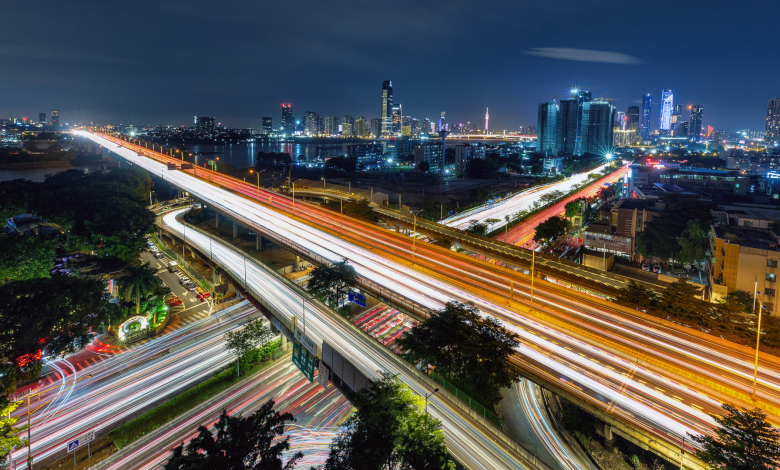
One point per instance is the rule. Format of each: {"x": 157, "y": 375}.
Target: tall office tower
{"x": 347, "y": 126}
{"x": 547, "y": 127}
{"x": 582, "y": 97}
{"x": 42, "y": 118}
{"x": 632, "y": 119}
{"x": 267, "y": 125}
{"x": 376, "y": 128}
{"x": 206, "y": 126}
{"x": 331, "y": 125}
{"x": 406, "y": 126}
{"x": 682, "y": 129}
{"x": 443, "y": 122}
{"x": 620, "y": 120}
{"x": 55, "y": 118}
{"x": 694, "y": 125}
{"x": 310, "y": 123}
{"x": 667, "y": 103}
{"x": 644, "y": 123}
{"x": 597, "y": 117}
{"x": 566, "y": 127}
{"x": 487, "y": 118}
{"x": 397, "y": 117}
{"x": 415, "y": 128}
{"x": 387, "y": 108}
{"x": 773, "y": 121}
{"x": 677, "y": 111}
{"x": 288, "y": 122}
{"x": 425, "y": 129}
{"x": 361, "y": 127}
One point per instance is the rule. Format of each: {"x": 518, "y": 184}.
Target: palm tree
{"x": 139, "y": 281}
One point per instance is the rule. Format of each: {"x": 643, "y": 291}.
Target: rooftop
{"x": 759, "y": 238}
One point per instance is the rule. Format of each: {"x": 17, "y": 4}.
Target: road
{"x": 317, "y": 413}
{"x": 663, "y": 379}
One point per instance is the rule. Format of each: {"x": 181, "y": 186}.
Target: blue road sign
{"x": 73, "y": 445}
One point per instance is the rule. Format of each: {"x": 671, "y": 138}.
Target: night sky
{"x": 162, "y": 62}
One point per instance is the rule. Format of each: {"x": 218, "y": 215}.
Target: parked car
{"x": 645, "y": 267}
{"x": 656, "y": 269}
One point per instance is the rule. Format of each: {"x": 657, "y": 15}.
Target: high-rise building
{"x": 773, "y": 120}
{"x": 376, "y": 128}
{"x": 694, "y": 125}
{"x": 361, "y": 127}
{"x": 547, "y": 127}
{"x": 566, "y": 127}
{"x": 415, "y": 128}
{"x": 682, "y": 129}
{"x": 406, "y": 126}
{"x": 426, "y": 128}
{"x": 331, "y": 125}
{"x": 387, "y": 108}
{"x": 620, "y": 120}
{"x": 42, "y": 118}
{"x": 667, "y": 105}
{"x": 206, "y": 127}
{"x": 632, "y": 119}
{"x": 347, "y": 126}
{"x": 597, "y": 117}
{"x": 320, "y": 125}
{"x": 310, "y": 123}
{"x": 397, "y": 118}
{"x": 288, "y": 121}
{"x": 582, "y": 97}
{"x": 268, "y": 126}
{"x": 55, "y": 118}
{"x": 644, "y": 124}
{"x": 487, "y": 119}
{"x": 443, "y": 123}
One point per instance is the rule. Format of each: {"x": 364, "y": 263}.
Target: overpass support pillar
{"x": 609, "y": 439}
{"x": 283, "y": 344}
{"x": 217, "y": 218}
{"x": 297, "y": 263}
{"x": 258, "y": 242}
{"x": 235, "y": 229}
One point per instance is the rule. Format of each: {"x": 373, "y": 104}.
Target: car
{"x": 645, "y": 267}
{"x": 656, "y": 268}
{"x": 158, "y": 255}
{"x": 168, "y": 290}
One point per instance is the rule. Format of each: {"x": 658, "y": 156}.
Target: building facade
{"x": 597, "y": 117}
{"x": 429, "y": 152}
{"x": 644, "y": 127}
{"x": 347, "y": 126}
{"x": 206, "y": 127}
{"x": 268, "y": 126}
{"x": 547, "y": 128}
{"x": 387, "y": 108}
{"x": 288, "y": 122}
{"x": 667, "y": 105}
{"x": 772, "y": 133}
{"x": 310, "y": 123}
{"x": 694, "y": 124}
{"x": 566, "y": 132}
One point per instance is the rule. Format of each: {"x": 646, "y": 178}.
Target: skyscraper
{"x": 376, "y": 128}
{"x": 677, "y": 111}
{"x": 426, "y": 127}
{"x": 644, "y": 124}
{"x": 55, "y": 118}
{"x": 361, "y": 127}
{"x": 406, "y": 126}
{"x": 582, "y": 97}
{"x": 387, "y": 108}
{"x": 443, "y": 122}
{"x": 267, "y": 125}
{"x": 331, "y": 125}
{"x": 288, "y": 122}
{"x": 597, "y": 117}
{"x": 566, "y": 131}
{"x": 487, "y": 118}
{"x": 773, "y": 120}
{"x": 667, "y": 103}
{"x": 347, "y": 126}
{"x": 310, "y": 123}
{"x": 415, "y": 128}
{"x": 42, "y": 118}
{"x": 206, "y": 126}
{"x": 694, "y": 124}
{"x": 547, "y": 126}
{"x": 397, "y": 116}
{"x": 632, "y": 123}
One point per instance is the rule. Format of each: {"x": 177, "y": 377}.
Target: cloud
{"x": 584, "y": 55}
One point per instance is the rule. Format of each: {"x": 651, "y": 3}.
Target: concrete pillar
{"x": 258, "y": 242}
{"x": 609, "y": 439}
{"x": 217, "y": 220}
{"x": 297, "y": 263}
{"x": 235, "y": 229}
{"x": 283, "y": 344}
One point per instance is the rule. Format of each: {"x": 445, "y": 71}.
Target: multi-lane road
{"x": 661, "y": 378}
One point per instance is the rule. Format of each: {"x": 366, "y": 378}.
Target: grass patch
{"x": 130, "y": 432}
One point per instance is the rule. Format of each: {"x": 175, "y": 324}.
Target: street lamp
{"x": 427, "y": 396}
{"x": 258, "y": 181}
{"x": 293, "y": 194}
{"x": 323, "y": 182}
{"x": 414, "y": 231}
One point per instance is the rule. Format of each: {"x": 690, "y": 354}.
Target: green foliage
{"x": 359, "y": 209}
{"x": 661, "y": 235}
{"x": 744, "y": 298}
{"x": 745, "y": 441}
{"x": 637, "y": 294}
{"x": 116, "y": 228}
{"x": 138, "y": 281}
{"x": 51, "y": 316}
{"x": 572, "y": 208}
{"x": 26, "y": 257}
{"x": 244, "y": 341}
{"x": 466, "y": 348}
{"x": 333, "y": 281}
{"x": 443, "y": 242}
{"x": 15, "y": 197}
{"x": 389, "y": 430}
{"x": 680, "y": 299}
{"x": 480, "y": 195}
{"x": 266, "y": 159}
{"x": 239, "y": 444}
{"x": 694, "y": 243}
{"x": 552, "y": 196}
{"x": 477, "y": 227}
{"x": 424, "y": 166}
{"x": 551, "y": 229}
{"x": 9, "y": 432}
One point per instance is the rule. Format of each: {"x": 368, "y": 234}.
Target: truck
{"x": 173, "y": 266}
{"x": 173, "y": 166}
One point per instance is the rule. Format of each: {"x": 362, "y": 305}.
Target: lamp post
{"x": 414, "y": 231}
{"x": 293, "y": 194}
{"x": 427, "y": 396}
{"x": 758, "y": 340}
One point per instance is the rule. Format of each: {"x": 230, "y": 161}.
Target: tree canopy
{"x": 242, "y": 342}
{"x": 26, "y": 257}
{"x": 389, "y": 430}
{"x": 551, "y": 229}
{"x": 745, "y": 441}
{"x": 638, "y": 294}
{"x": 333, "y": 281}
{"x": 661, "y": 235}
{"x": 466, "y": 348}
{"x": 137, "y": 282}
{"x": 359, "y": 209}
{"x": 239, "y": 443}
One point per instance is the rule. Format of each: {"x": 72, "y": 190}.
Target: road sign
{"x": 357, "y": 298}
{"x": 323, "y": 375}
{"x": 88, "y": 436}
{"x": 304, "y": 354}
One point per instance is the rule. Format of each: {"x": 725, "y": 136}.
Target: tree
{"x": 359, "y": 209}
{"x": 680, "y": 299}
{"x": 638, "y": 295}
{"x": 744, "y": 298}
{"x": 389, "y": 430}
{"x": 694, "y": 243}
{"x": 745, "y": 441}
{"x": 250, "y": 443}
{"x": 551, "y": 229}
{"x": 660, "y": 236}
{"x": 42, "y": 317}
{"x": 244, "y": 341}
{"x": 9, "y": 433}
{"x": 26, "y": 257}
{"x": 333, "y": 281}
{"x": 477, "y": 227}
{"x": 552, "y": 196}
{"x": 443, "y": 242}
{"x": 424, "y": 166}
{"x": 480, "y": 168}
{"x": 572, "y": 208}
{"x": 466, "y": 348}
{"x": 138, "y": 281}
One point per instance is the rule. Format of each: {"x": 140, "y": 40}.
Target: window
{"x": 769, "y": 307}
{"x": 748, "y": 223}
{"x": 768, "y": 291}
{"x": 771, "y": 277}
{"x": 772, "y": 263}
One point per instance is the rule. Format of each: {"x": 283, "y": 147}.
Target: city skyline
{"x": 117, "y": 80}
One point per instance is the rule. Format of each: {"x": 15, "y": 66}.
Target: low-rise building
{"x": 553, "y": 165}
{"x": 464, "y": 152}
{"x": 429, "y": 152}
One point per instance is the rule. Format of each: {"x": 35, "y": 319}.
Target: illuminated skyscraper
{"x": 347, "y": 126}
{"x": 694, "y": 125}
{"x": 42, "y": 118}
{"x": 426, "y": 127}
{"x": 376, "y": 128}
{"x": 361, "y": 127}
{"x": 397, "y": 118}
{"x": 773, "y": 120}
{"x": 206, "y": 127}
{"x": 387, "y": 108}
{"x": 632, "y": 121}
{"x": 667, "y": 103}
{"x": 547, "y": 128}
{"x": 676, "y": 117}
{"x": 597, "y": 117}
{"x": 566, "y": 127}
{"x": 582, "y": 97}
{"x": 331, "y": 125}
{"x": 55, "y": 118}
{"x": 487, "y": 118}
{"x": 406, "y": 126}
{"x": 288, "y": 122}
{"x": 310, "y": 123}
{"x": 644, "y": 124}
{"x": 267, "y": 125}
